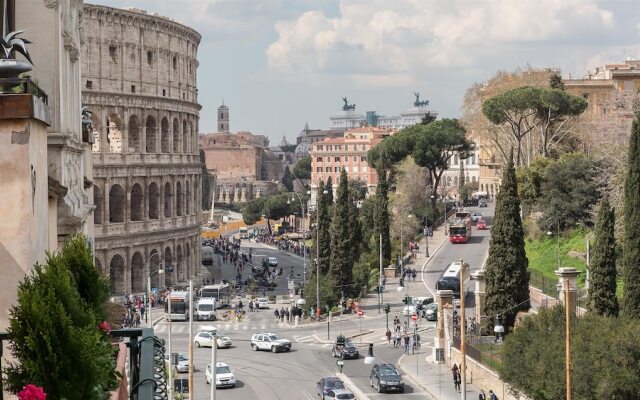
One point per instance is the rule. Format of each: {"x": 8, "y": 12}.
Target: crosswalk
{"x": 183, "y": 327}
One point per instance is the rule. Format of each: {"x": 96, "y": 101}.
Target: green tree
{"x": 341, "y": 264}
{"x": 206, "y": 188}
{"x": 253, "y": 210}
{"x": 329, "y": 194}
{"x": 602, "y": 271}
{"x": 555, "y": 82}
{"x": 631, "y": 243}
{"x": 302, "y": 168}
{"x": 507, "y": 275}
{"x": 278, "y": 206}
{"x": 355, "y": 228}
{"x": 287, "y": 179}
{"x": 461, "y": 181}
{"x": 530, "y": 180}
{"x": 321, "y": 250}
{"x": 381, "y": 218}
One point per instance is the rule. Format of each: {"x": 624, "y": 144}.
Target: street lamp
{"x": 148, "y": 315}
{"x": 498, "y": 329}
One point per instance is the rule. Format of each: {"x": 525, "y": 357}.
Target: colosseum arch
{"x": 168, "y": 262}
{"x": 187, "y": 197}
{"x": 137, "y": 273}
{"x": 178, "y": 199}
{"x": 179, "y": 265}
{"x": 193, "y": 142}
{"x": 116, "y": 275}
{"x": 135, "y": 141}
{"x": 164, "y": 129}
{"x": 137, "y": 201}
{"x": 188, "y": 261}
{"x": 114, "y": 133}
{"x": 99, "y": 266}
{"x": 154, "y": 265}
{"x": 168, "y": 194}
{"x": 154, "y": 201}
{"x": 97, "y": 138}
{"x": 98, "y": 201}
{"x": 116, "y": 204}
{"x": 185, "y": 136}
{"x": 176, "y": 136}
{"x": 150, "y": 136}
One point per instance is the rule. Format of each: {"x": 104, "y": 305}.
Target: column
{"x": 445, "y": 300}
{"x": 568, "y": 275}
{"x": 479, "y": 292}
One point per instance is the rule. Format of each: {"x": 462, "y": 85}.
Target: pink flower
{"x": 105, "y": 327}
{"x": 32, "y": 392}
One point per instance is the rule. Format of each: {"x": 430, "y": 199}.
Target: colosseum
{"x": 139, "y": 81}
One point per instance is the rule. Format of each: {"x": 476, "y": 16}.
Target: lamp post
{"x": 549, "y": 233}
{"x": 149, "y": 315}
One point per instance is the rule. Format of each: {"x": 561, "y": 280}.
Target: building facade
{"x": 139, "y": 81}
{"x": 471, "y": 165}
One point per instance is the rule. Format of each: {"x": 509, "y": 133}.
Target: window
{"x": 355, "y": 169}
{"x": 318, "y": 159}
{"x": 363, "y": 158}
{"x": 585, "y": 95}
{"x": 319, "y": 169}
{"x": 364, "y": 147}
{"x": 338, "y": 147}
{"x": 336, "y": 159}
{"x": 364, "y": 169}
{"x": 113, "y": 53}
{"x": 164, "y": 92}
{"x": 346, "y": 169}
{"x": 337, "y": 169}
{"x": 319, "y": 147}
{"x": 150, "y": 58}
{"x": 329, "y": 147}
{"x": 355, "y": 158}
{"x": 455, "y": 159}
{"x": 89, "y": 84}
{"x": 133, "y": 88}
{"x": 175, "y": 63}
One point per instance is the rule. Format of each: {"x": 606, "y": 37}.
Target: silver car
{"x": 204, "y": 339}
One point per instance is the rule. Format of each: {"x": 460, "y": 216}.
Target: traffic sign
{"x": 414, "y": 317}
{"x": 360, "y": 313}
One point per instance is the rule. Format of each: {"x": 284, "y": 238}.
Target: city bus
{"x": 220, "y": 291}
{"x": 450, "y": 279}
{"x": 460, "y": 230}
{"x": 179, "y": 306}
{"x": 244, "y": 232}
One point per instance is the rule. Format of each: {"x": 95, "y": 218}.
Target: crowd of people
{"x": 288, "y": 314}
{"x": 457, "y": 382}
{"x": 401, "y": 337}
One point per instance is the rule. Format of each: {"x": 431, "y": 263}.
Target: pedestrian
{"x": 492, "y": 396}
{"x": 454, "y": 371}
{"x": 277, "y": 315}
{"x": 482, "y": 396}
{"x": 396, "y": 341}
{"x": 388, "y": 334}
{"x": 457, "y": 380}
{"x": 282, "y": 314}
{"x": 407, "y": 340}
{"x": 251, "y": 306}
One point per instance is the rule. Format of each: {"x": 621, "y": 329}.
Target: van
{"x": 205, "y": 309}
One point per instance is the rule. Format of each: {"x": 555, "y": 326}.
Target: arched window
{"x": 114, "y": 133}
{"x": 176, "y": 136}
{"x": 164, "y": 127}
{"x": 185, "y": 136}
{"x": 154, "y": 201}
{"x": 179, "y": 265}
{"x": 187, "y": 203}
{"x": 137, "y": 273}
{"x": 116, "y": 204}
{"x": 137, "y": 199}
{"x": 168, "y": 194}
{"x": 178, "y": 199}
{"x": 99, "y": 266}
{"x": 151, "y": 136}
{"x": 154, "y": 265}
{"x": 168, "y": 262}
{"x": 116, "y": 275}
{"x": 98, "y": 201}
{"x": 135, "y": 143}
{"x": 187, "y": 261}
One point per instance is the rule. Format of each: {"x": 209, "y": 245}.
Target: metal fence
{"x": 548, "y": 285}
{"x": 482, "y": 349}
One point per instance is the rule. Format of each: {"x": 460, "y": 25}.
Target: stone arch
{"x": 135, "y": 141}
{"x": 168, "y": 205}
{"x": 137, "y": 273}
{"x": 185, "y": 134}
{"x": 97, "y": 138}
{"x": 187, "y": 197}
{"x": 98, "y": 201}
{"x": 178, "y": 199}
{"x": 188, "y": 261}
{"x": 165, "y": 140}
{"x": 137, "y": 201}
{"x": 193, "y": 138}
{"x": 114, "y": 133}
{"x": 154, "y": 201}
{"x": 168, "y": 263}
{"x": 151, "y": 136}
{"x": 154, "y": 265}
{"x": 116, "y": 204}
{"x": 179, "y": 265}
{"x": 116, "y": 275}
{"x": 176, "y": 136}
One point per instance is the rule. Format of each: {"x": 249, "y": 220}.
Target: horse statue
{"x": 347, "y": 106}
{"x": 419, "y": 103}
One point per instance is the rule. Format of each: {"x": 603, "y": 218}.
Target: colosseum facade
{"x": 139, "y": 81}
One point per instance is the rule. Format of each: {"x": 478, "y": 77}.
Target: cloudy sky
{"x": 281, "y": 63}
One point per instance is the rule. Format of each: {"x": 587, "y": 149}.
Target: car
{"x": 431, "y": 312}
{"x": 327, "y": 384}
{"x": 204, "y": 339}
{"x": 417, "y": 304}
{"x": 272, "y": 262}
{"x": 475, "y": 216}
{"x": 269, "y": 341}
{"x": 180, "y": 361}
{"x": 481, "y": 224}
{"x": 482, "y": 203}
{"x": 224, "y": 375}
{"x": 339, "y": 394}
{"x": 263, "y": 302}
{"x": 345, "y": 350}
{"x": 385, "y": 377}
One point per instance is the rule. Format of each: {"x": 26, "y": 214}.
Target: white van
{"x": 205, "y": 309}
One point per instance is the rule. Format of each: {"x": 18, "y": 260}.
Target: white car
{"x": 272, "y": 261}
{"x": 180, "y": 362}
{"x": 475, "y": 216}
{"x": 269, "y": 341}
{"x": 263, "y": 302}
{"x": 204, "y": 339}
{"x": 224, "y": 375}
{"x": 415, "y": 302}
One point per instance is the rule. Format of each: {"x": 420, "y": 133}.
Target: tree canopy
{"x": 287, "y": 179}
{"x": 631, "y": 244}
{"x": 602, "y": 271}
{"x": 302, "y": 168}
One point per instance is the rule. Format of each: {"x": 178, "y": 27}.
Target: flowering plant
{"x": 32, "y": 392}
{"x": 104, "y": 327}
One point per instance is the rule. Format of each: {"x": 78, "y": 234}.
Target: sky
{"x": 281, "y": 63}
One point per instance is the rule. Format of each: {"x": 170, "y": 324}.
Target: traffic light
{"x": 387, "y": 308}
{"x": 406, "y": 300}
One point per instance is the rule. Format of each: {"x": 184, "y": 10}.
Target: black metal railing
{"x": 22, "y": 86}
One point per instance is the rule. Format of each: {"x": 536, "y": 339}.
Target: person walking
{"x": 482, "y": 396}
{"x": 407, "y": 340}
{"x": 388, "y": 335}
{"x": 457, "y": 380}
{"x": 455, "y": 371}
{"x": 492, "y": 396}
{"x": 277, "y": 315}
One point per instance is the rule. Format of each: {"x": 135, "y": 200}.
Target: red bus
{"x": 460, "y": 230}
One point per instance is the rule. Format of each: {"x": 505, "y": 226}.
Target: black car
{"x": 345, "y": 350}
{"x": 385, "y": 377}
{"x": 325, "y": 385}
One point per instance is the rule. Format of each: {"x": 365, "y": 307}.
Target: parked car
{"x": 345, "y": 350}
{"x": 482, "y": 203}
{"x": 327, "y": 384}
{"x": 224, "y": 375}
{"x": 475, "y": 216}
{"x": 385, "y": 377}
{"x": 180, "y": 361}
{"x": 339, "y": 394}
{"x": 269, "y": 341}
{"x": 263, "y": 302}
{"x": 481, "y": 224}
{"x": 272, "y": 262}
{"x": 417, "y": 303}
{"x": 431, "y": 312}
{"x": 204, "y": 339}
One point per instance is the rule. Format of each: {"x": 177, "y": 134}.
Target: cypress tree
{"x": 322, "y": 226}
{"x": 341, "y": 261}
{"x": 329, "y": 189}
{"x": 631, "y": 246}
{"x": 602, "y": 272}
{"x": 507, "y": 275}
{"x": 381, "y": 217}
{"x": 287, "y": 179}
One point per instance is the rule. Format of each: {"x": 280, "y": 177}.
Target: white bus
{"x": 220, "y": 291}
{"x": 207, "y": 255}
{"x": 179, "y": 306}
{"x": 244, "y": 232}
{"x": 450, "y": 279}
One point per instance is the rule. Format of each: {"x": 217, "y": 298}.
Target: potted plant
{"x": 9, "y": 66}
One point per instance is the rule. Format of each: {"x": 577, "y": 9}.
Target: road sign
{"x": 414, "y": 317}
{"x": 360, "y": 313}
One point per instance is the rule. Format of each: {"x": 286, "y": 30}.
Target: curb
{"x": 413, "y": 380}
{"x": 352, "y": 386}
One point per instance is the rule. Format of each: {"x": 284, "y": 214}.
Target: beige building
{"x": 139, "y": 80}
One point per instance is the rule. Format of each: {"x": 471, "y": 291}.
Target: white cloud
{"x": 375, "y": 42}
